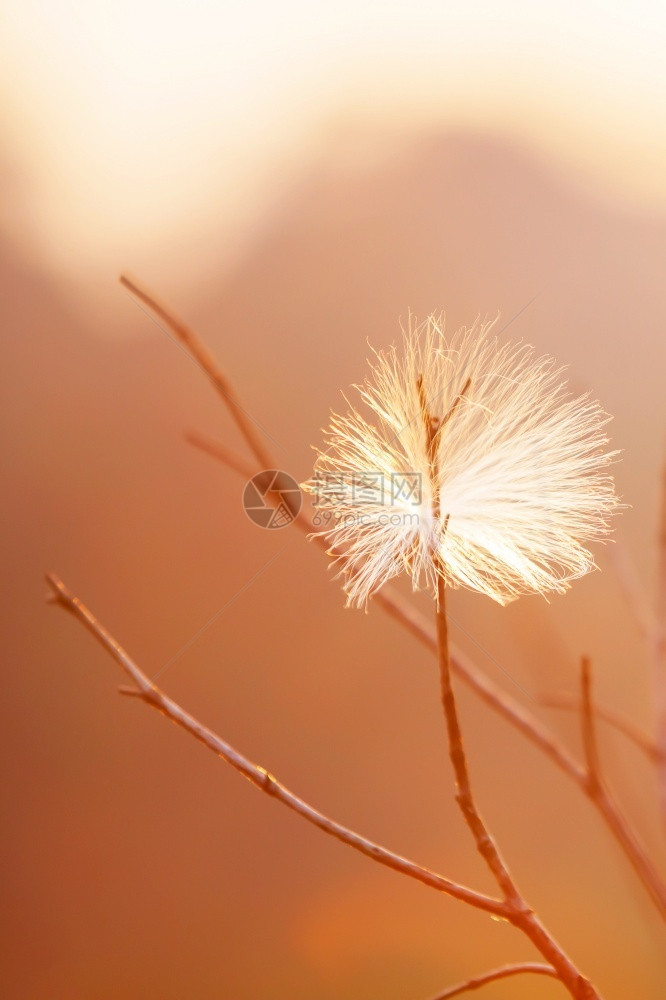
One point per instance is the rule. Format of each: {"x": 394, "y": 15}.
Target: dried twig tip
{"x": 130, "y": 692}
{"x": 58, "y": 593}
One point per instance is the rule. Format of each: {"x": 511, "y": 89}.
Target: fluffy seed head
{"x": 476, "y": 463}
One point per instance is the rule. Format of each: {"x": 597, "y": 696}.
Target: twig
{"x": 198, "y": 350}
{"x": 608, "y": 715}
{"x": 243, "y": 466}
{"x": 484, "y": 841}
{"x": 259, "y": 776}
{"x": 652, "y": 625}
{"x": 590, "y": 748}
{"x": 492, "y": 695}
{"x": 595, "y": 787}
{"x": 537, "y": 968}
{"x": 632, "y": 590}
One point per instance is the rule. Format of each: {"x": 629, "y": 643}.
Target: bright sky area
{"x": 127, "y": 123}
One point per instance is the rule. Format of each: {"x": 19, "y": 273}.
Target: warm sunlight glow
{"x": 136, "y": 122}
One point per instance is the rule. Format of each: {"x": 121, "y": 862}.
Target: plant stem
{"x": 520, "y": 914}
{"x": 519, "y": 969}
{"x": 484, "y": 842}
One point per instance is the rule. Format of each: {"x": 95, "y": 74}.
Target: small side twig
{"x": 651, "y": 622}
{"x": 147, "y": 691}
{"x": 611, "y": 717}
{"x": 536, "y": 968}
{"x": 483, "y": 839}
{"x": 632, "y": 590}
{"x": 590, "y": 748}
{"x": 595, "y": 786}
{"x": 243, "y": 466}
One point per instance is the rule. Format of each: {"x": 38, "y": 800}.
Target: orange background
{"x": 136, "y": 864}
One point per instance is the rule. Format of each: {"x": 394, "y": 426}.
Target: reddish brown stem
{"x": 612, "y": 718}
{"x": 484, "y": 842}
{"x": 200, "y": 353}
{"x": 519, "y": 969}
{"x": 521, "y": 914}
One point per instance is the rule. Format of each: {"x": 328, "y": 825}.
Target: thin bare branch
{"x": 259, "y": 776}
{"x": 519, "y": 969}
{"x": 521, "y": 914}
{"x": 483, "y": 839}
{"x": 652, "y": 625}
{"x": 632, "y": 590}
{"x": 492, "y": 695}
{"x": 608, "y": 715}
{"x": 243, "y": 466}
{"x": 588, "y": 725}
{"x": 202, "y": 356}
{"x": 598, "y": 792}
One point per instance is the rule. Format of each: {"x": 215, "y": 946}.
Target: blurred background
{"x": 293, "y": 179}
